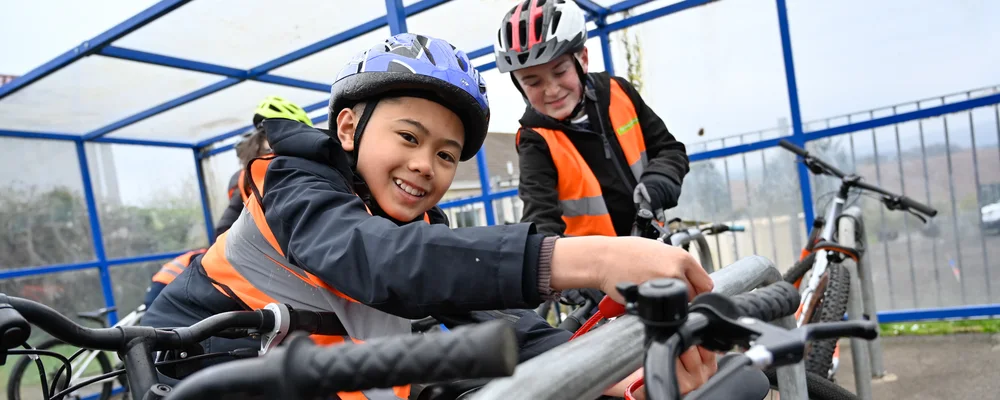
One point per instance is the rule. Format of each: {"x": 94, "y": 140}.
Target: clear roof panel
{"x": 473, "y": 25}
{"x": 324, "y": 66}
{"x": 246, "y": 33}
{"x": 94, "y": 92}
{"x": 214, "y": 114}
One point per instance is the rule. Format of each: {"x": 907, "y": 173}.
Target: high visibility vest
{"x": 580, "y": 195}
{"x": 169, "y": 271}
{"x": 247, "y": 262}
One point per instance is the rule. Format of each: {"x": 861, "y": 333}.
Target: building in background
{"x": 503, "y": 170}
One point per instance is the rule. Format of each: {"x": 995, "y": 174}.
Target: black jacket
{"x": 410, "y": 270}
{"x": 538, "y": 187}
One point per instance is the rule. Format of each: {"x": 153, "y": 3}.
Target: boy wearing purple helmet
{"x": 344, "y": 220}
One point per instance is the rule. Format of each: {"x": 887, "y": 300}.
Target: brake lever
{"x": 895, "y": 203}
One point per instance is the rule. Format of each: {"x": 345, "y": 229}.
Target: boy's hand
{"x": 646, "y": 259}
{"x": 694, "y": 368}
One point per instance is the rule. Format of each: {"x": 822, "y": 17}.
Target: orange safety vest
{"x": 249, "y": 262}
{"x": 169, "y": 271}
{"x": 580, "y": 195}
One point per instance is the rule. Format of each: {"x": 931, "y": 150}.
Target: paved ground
{"x": 962, "y": 366}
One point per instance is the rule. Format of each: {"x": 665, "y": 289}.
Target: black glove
{"x": 576, "y": 297}
{"x": 661, "y": 192}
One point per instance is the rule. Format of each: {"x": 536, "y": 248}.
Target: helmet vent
{"x": 510, "y": 32}
{"x": 522, "y": 32}
{"x": 538, "y": 27}
{"x": 555, "y": 20}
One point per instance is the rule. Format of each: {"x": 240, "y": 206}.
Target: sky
{"x": 717, "y": 67}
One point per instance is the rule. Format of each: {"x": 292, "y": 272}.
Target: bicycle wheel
{"x": 23, "y": 383}
{"x": 817, "y": 387}
{"x": 830, "y": 307}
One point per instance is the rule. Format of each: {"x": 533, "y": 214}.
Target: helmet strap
{"x": 359, "y": 128}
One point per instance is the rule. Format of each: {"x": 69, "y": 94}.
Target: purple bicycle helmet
{"x": 410, "y": 64}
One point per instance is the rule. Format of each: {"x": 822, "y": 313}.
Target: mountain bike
{"x": 832, "y": 255}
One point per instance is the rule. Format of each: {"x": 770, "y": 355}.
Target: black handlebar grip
{"x": 578, "y": 317}
{"x": 486, "y": 350}
{"x": 915, "y": 205}
{"x": 318, "y": 323}
{"x": 793, "y": 148}
{"x": 14, "y": 329}
{"x": 769, "y": 303}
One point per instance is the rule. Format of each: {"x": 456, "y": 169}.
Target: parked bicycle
{"x": 833, "y": 255}
{"x": 84, "y": 363}
{"x": 486, "y": 350}
{"x": 720, "y": 323}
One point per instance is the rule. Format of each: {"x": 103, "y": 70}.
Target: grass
{"x": 941, "y": 327}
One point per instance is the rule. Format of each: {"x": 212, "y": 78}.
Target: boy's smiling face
{"x": 409, "y": 153}
{"x": 553, "y": 88}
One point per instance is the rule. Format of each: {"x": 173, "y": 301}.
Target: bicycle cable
{"x": 116, "y": 373}
{"x": 69, "y": 371}
{"x": 38, "y": 363}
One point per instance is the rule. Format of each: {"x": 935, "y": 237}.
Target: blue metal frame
{"x": 95, "y": 232}
{"x": 206, "y": 207}
{"x": 258, "y": 71}
{"x": 89, "y": 47}
{"x": 798, "y": 137}
{"x": 986, "y": 310}
{"x": 395, "y": 14}
{"x": 395, "y": 19}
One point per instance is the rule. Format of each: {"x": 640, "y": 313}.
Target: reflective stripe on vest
{"x": 580, "y": 195}
{"x": 169, "y": 271}
{"x": 248, "y": 260}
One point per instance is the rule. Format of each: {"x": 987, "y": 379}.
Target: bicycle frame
{"x": 819, "y": 268}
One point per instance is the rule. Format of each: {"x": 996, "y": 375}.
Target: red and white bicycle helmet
{"x": 535, "y": 32}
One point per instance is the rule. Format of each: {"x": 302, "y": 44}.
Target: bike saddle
{"x": 99, "y": 316}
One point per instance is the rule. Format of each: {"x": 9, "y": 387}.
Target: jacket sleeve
{"x": 229, "y": 215}
{"x": 667, "y": 156}
{"x": 538, "y": 184}
{"x": 534, "y": 335}
{"x": 410, "y": 271}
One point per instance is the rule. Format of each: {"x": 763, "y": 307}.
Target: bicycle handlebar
{"x": 892, "y": 200}
{"x": 591, "y": 363}
{"x": 114, "y": 339}
{"x": 793, "y": 148}
{"x": 305, "y": 370}
{"x": 812, "y": 159}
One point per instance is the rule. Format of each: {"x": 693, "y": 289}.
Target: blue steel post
{"x": 484, "y": 183}
{"x": 206, "y": 209}
{"x": 609, "y": 64}
{"x": 396, "y": 16}
{"x": 798, "y": 136}
{"x": 95, "y": 232}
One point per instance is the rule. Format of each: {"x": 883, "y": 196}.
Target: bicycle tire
{"x": 798, "y": 271}
{"x": 25, "y": 364}
{"x": 817, "y": 387}
{"x": 830, "y": 308}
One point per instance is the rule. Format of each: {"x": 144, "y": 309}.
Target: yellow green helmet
{"x": 277, "y": 107}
